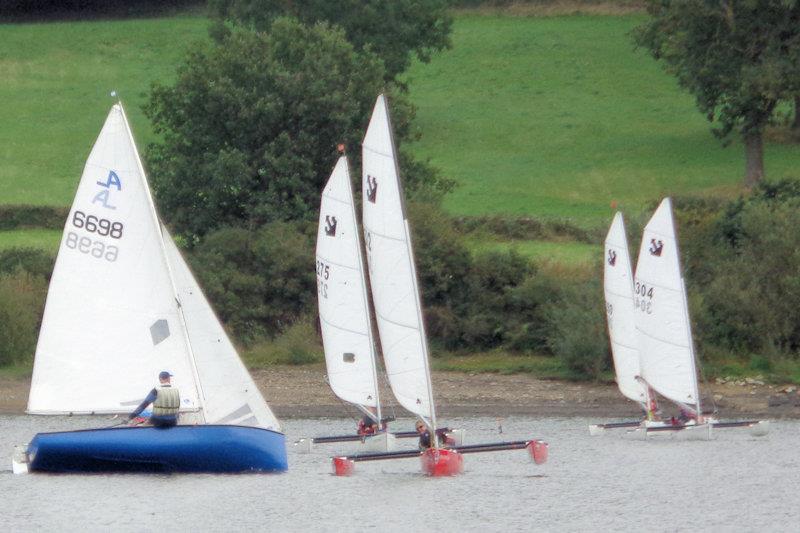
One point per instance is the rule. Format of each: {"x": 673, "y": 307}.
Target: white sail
{"x": 229, "y": 394}
{"x": 618, "y": 288}
{"x": 342, "y": 295}
{"x": 393, "y": 275}
{"x": 662, "y": 319}
{"x": 111, "y": 322}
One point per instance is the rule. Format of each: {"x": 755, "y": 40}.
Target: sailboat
{"x": 122, "y": 306}
{"x": 398, "y": 309}
{"x": 618, "y": 291}
{"x": 344, "y": 312}
{"x": 666, "y": 348}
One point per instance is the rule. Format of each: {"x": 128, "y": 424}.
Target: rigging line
{"x": 374, "y": 151}
{"x": 382, "y": 236}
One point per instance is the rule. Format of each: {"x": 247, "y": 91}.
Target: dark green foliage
{"x": 577, "y": 328}
{"x": 32, "y": 216}
{"x": 260, "y": 281}
{"x": 510, "y": 227}
{"x": 35, "y": 10}
{"x": 31, "y": 261}
{"x": 738, "y": 59}
{"x": 22, "y": 299}
{"x": 394, "y": 30}
{"x": 251, "y": 126}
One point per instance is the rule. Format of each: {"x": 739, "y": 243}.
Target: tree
{"x": 251, "y": 125}
{"x": 737, "y": 57}
{"x": 393, "y": 30}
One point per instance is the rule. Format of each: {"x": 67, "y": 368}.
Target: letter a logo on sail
{"x": 102, "y": 199}
{"x": 112, "y": 179}
{"x": 612, "y": 257}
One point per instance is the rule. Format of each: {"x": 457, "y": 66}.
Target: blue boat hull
{"x": 201, "y": 448}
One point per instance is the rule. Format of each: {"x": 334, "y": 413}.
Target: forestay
{"x": 111, "y": 322}
{"x": 662, "y": 318}
{"x": 229, "y": 394}
{"x": 342, "y": 295}
{"x": 618, "y": 288}
{"x": 392, "y": 272}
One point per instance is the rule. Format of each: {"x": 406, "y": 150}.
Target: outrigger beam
{"x": 343, "y": 465}
{"x": 355, "y": 438}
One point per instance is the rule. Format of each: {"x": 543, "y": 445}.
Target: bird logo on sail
{"x": 612, "y": 257}
{"x": 330, "y": 226}
{"x": 372, "y": 188}
{"x": 656, "y": 247}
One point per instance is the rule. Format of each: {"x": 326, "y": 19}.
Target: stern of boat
{"x": 19, "y": 459}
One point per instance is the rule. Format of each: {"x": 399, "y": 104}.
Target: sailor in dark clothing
{"x": 424, "y": 435}
{"x": 367, "y": 426}
{"x": 166, "y": 402}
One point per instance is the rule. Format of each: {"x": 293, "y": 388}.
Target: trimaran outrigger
{"x": 122, "y": 306}
{"x": 398, "y": 309}
{"x": 650, "y": 332}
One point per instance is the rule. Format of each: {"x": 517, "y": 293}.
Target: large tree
{"x": 394, "y": 30}
{"x": 251, "y": 125}
{"x": 737, "y": 57}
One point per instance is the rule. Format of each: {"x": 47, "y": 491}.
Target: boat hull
{"x": 200, "y": 448}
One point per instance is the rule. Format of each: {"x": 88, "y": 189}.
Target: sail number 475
{"x": 323, "y": 273}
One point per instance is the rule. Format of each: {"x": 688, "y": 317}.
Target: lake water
{"x": 736, "y": 482}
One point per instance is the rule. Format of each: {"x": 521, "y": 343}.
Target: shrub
{"x": 298, "y": 345}
{"x": 259, "y": 281}
{"x": 577, "y": 329}
{"x": 32, "y": 216}
{"x": 33, "y": 261}
{"x": 22, "y": 299}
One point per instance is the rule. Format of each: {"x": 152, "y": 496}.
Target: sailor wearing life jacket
{"x": 166, "y": 402}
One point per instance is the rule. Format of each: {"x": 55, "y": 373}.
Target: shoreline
{"x": 301, "y": 392}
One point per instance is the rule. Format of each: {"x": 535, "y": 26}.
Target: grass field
{"x": 558, "y": 117}
{"x": 46, "y": 239}
{"x": 54, "y": 94}
{"x": 573, "y": 253}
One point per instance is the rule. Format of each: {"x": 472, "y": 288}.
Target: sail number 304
{"x": 643, "y": 298}
{"x": 88, "y": 246}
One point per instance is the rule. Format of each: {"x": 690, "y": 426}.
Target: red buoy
{"x": 538, "y": 451}
{"x": 442, "y": 462}
{"x": 342, "y": 466}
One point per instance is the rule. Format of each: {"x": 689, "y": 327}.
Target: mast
{"x": 364, "y": 296}
{"x": 154, "y": 214}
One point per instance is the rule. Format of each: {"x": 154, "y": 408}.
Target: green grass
{"x": 573, "y": 253}
{"x": 560, "y": 116}
{"x": 21, "y": 371}
{"x": 54, "y": 94}
{"x": 46, "y": 239}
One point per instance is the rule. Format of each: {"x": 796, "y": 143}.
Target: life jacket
{"x": 168, "y": 401}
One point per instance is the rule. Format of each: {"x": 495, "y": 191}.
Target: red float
{"x": 538, "y": 451}
{"x": 439, "y": 462}
{"x": 342, "y": 466}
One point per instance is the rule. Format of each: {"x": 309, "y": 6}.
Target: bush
{"x": 260, "y": 282}
{"x": 32, "y": 216}
{"x": 22, "y": 299}
{"x": 298, "y": 345}
{"x": 33, "y": 261}
{"x": 577, "y": 329}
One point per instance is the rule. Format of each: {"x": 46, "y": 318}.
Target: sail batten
{"x": 393, "y": 274}
{"x": 662, "y": 319}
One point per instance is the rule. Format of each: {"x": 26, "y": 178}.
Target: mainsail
{"x": 393, "y": 276}
{"x": 342, "y": 295}
{"x": 618, "y": 288}
{"x": 662, "y": 318}
{"x": 123, "y": 305}
{"x": 111, "y": 322}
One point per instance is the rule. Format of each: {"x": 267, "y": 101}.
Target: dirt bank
{"x": 295, "y": 392}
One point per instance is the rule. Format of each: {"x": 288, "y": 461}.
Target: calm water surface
{"x": 734, "y": 483}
